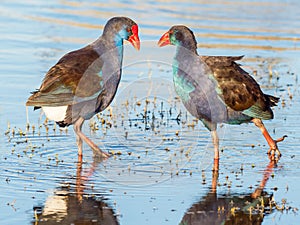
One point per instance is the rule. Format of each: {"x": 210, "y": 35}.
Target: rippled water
{"x": 161, "y": 170}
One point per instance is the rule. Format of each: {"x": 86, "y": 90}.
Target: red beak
{"x": 134, "y": 38}
{"x": 164, "y": 40}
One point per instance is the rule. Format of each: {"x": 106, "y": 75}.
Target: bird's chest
{"x": 111, "y": 74}
{"x": 183, "y": 86}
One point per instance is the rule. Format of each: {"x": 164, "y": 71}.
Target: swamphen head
{"x": 122, "y": 28}
{"x": 180, "y": 36}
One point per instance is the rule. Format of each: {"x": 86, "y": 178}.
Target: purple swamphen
{"x": 84, "y": 82}
{"x": 215, "y": 89}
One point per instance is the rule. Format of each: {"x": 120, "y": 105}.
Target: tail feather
{"x": 272, "y": 100}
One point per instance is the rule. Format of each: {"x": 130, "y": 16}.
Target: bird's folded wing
{"x": 76, "y": 77}
{"x": 235, "y": 87}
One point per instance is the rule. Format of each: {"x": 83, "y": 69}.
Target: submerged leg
{"x": 215, "y": 176}
{"x": 79, "y": 144}
{"x": 215, "y": 140}
{"x": 272, "y": 143}
{"x": 81, "y": 137}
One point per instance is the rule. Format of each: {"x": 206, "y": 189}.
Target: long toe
{"x": 281, "y": 139}
{"x": 99, "y": 153}
{"x": 105, "y": 155}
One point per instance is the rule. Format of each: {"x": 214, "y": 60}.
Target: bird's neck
{"x": 184, "y": 54}
{"x": 114, "y": 41}
{"x": 119, "y": 46}
{"x": 107, "y": 46}
{"x": 183, "y": 63}
{"x": 188, "y": 45}
{"x": 184, "y": 59}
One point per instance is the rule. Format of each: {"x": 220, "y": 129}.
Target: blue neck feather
{"x": 119, "y": 42}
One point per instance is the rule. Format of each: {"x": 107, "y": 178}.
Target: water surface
{"x": 161, "y": 170}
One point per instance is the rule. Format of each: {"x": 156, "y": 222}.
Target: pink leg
{"x": 215, "y": 140}
{"x": 272, "y": 143}
{"x": 81, "y": 137}
{"x": 78, "y": 140}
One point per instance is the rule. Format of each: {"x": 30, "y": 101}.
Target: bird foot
{"x": 273, "y": 151}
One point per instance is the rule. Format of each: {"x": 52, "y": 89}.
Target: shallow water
{"x": 161, "y": 170}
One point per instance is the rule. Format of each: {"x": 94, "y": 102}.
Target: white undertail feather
{"x": 57, "y": 113}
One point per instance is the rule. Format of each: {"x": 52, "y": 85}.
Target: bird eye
{"x": 179, "y": 35}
